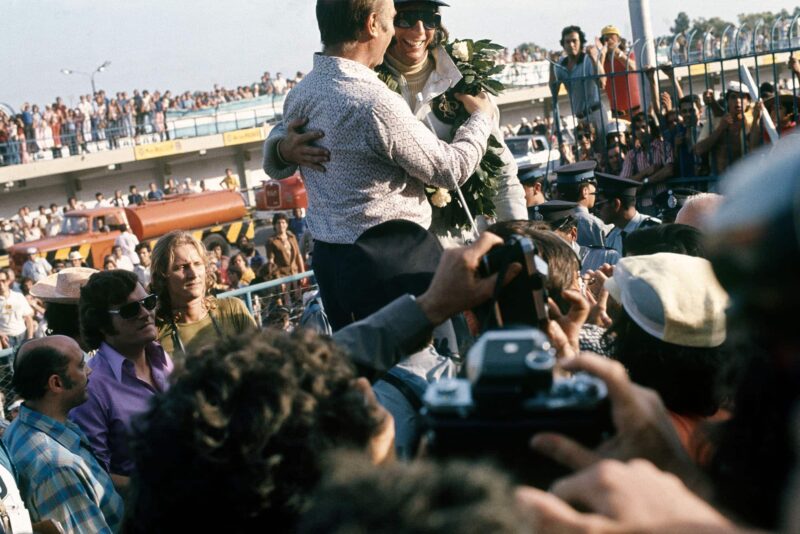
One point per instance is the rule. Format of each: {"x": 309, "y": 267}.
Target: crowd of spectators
{"x": 59, "y": 129}
{"x": 196, "y": 419}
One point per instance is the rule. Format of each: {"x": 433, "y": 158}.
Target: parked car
{"x": 534, "y": 149}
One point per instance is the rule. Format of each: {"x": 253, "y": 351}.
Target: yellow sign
{"x": 240, "y": 137}
{"x": 157, "y": 150}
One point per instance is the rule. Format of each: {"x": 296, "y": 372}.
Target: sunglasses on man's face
{"x": 131, "y": 309}
{"x": 409, "y": 19}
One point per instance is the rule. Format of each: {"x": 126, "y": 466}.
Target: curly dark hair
{"x": 241, "y": 435}
{"x": 63, "y": 319}
{"x": 421, "y": 497}
{"x": 103, "y": 290}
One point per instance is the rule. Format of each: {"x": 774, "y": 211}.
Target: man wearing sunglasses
{"x": 423, "y": 71}
{"x": 118, "y": 319}
{"x": 381, "y": 155}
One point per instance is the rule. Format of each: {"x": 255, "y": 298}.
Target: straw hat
{"x": 63, "y": 287}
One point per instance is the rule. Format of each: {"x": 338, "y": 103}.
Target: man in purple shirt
{"x": 117, "y": 317}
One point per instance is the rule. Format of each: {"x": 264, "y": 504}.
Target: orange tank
{"x": 185, "y": 212}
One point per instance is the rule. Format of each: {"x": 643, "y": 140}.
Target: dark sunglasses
{"x": 131, "y": 309}
{"x": 584, "y": 136}
{"x": 409, "y": 19}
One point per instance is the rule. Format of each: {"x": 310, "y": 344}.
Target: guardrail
{"x": 94, "y": 135}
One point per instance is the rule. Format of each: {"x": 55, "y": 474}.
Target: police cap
{"x": 531, "y": 173}
{"x": 612, "y": 186}
{"x": 552, "y": 211}
{"x": 576, "y": 173}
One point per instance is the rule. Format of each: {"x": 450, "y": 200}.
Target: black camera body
{"x": 510, "y": 394}
{"x": 524, "y": 300}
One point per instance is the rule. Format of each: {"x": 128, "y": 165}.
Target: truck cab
{"x": 92, "y": 232}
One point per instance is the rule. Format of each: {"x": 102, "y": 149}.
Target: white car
{"x": 534, "y": 149}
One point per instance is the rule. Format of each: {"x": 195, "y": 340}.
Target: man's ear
{"x": 55, "y": 383}
{"x": 584, "y": 191}
{"x": 617, "y": 204}
{"x": 573, "y": 232}
{"x": 537, "y": 187}
{"x": 373, "y": 24}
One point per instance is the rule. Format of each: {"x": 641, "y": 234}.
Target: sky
{"x": 192, "y": 45}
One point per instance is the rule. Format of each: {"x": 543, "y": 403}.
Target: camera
{"x": 510, "y": 394}
{"x": 524, "y": 300}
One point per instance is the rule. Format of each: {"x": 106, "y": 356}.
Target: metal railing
{"x": 587, "y": 103}
{"x": 95, "y": 134}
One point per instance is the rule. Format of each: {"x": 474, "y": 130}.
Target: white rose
{"x": 441, "y": 198}
{"x": 461, "y": 51}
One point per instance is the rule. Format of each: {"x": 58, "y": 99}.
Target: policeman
{"x": 616, "y": 204}
{"x": 532, "y": 177}
{"x": 577, "y": 183}
{"x": 560, "y": 217}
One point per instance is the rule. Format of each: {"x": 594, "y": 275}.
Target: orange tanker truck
{"x": 214, "y": 217}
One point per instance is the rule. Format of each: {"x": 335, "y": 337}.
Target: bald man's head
{"x": 697, "y": 209}
{"x": 39, "y": 359}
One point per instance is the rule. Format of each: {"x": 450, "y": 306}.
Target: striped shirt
{"x": 59, "y": 478}
{"x": 639, "y": 159}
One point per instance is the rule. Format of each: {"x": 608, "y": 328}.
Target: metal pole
{"x": 642, "y": 32}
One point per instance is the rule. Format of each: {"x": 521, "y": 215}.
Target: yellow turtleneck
{"x": 415, "y": 75}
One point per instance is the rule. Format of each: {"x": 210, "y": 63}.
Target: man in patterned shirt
{"x": 59, "y": 477}
{"x": 382, "y": 156}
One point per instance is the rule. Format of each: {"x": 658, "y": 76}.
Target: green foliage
{"x": 682, "y": 23}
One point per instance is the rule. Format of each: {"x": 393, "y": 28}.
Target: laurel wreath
{"x": 476, "y": 60}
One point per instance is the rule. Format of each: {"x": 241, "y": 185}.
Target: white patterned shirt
{"x": 381, "y": 155}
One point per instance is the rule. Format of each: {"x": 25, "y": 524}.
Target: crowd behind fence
{"x": 704, "y": 103}
{"x": 106, "y": 122}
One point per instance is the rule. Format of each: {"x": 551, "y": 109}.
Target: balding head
{"x": 38, "y": 360}
{"x": 698, "y": 208}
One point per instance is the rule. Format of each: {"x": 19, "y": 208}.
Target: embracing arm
{"x": 409, "y": 143}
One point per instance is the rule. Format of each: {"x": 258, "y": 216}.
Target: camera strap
{"x": 410, "y": 395}
{"x": 495, "y": 303}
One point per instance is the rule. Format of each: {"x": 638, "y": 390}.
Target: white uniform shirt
{"x": 13, "y": 310}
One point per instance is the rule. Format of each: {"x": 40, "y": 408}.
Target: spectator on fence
{"x": 59, "y": 477}
{"x": 189, "y": 318}
{"x": 577, "y": 71}
{"x": 782, "y": 108}
{"x": 650, "y": 158}
{"x": 128, "y": 369}
{"x": 726, "y": 138}
{"x": 622, "y": 85}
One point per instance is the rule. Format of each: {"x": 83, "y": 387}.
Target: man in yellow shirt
{"x": 231, "y": 181}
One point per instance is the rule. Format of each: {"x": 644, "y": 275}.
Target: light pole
{"x": 101, "y": 68}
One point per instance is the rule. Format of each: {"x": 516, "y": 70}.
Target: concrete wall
{"x": 84, "y": 184}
